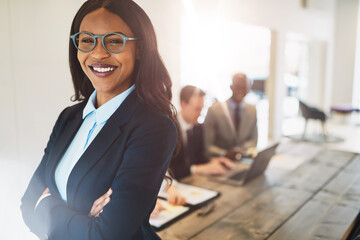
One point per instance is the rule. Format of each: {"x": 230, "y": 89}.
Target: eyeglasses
{"x": 112, "y": 42}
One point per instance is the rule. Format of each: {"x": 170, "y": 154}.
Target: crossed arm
{"x": 133, "y": 192}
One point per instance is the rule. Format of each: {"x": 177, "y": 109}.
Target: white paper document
{"x": 169, "y": 213}
{"x": 194, "y": 195}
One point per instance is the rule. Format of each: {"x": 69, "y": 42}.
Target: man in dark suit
{"x": 191, "y": 158}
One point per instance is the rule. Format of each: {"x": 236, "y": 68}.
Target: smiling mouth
{"x": 102, "y": 69}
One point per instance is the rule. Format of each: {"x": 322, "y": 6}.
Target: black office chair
{"x": 309, "y": 112}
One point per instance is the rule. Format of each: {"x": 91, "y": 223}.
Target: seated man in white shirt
{"x": 191, "y": 159}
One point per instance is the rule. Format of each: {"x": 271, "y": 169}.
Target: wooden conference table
{"x": 316, "y": 196}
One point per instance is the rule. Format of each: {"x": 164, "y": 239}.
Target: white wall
{"x": 345, "y": 49}
{"x": 165, "y": 16}
{"x": 8, "y": 129}
{"x": 317, "y": 74}
{"x": 37, "y": 82}
{"x": 356, "y": 89}
{"x": 280, "y": 15}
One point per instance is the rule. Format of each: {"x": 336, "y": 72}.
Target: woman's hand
{"x": 43, "y": 195}
{"x": 100, "y": 203}
{"x": 47, "y": 191}
{"x": 174, "y": 197}
{"x": 158, "y": 208}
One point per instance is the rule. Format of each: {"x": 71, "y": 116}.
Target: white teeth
{"x": 109, "y": 69}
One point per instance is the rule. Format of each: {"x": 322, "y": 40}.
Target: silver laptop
{"x": 248, "y": 169}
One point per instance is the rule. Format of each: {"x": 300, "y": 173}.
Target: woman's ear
{"x": 137, "y": 53}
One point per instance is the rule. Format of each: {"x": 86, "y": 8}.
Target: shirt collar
{"x": 183, "y": 124}
{"x": 233, "y": 104}
{"x": 103, "y": 113}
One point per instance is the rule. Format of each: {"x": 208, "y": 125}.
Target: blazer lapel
{"x": 108, "y": 134}
{"x": 60, "y": 146}
{"x": 225, "y": 106}
{"x": 244, "y": 128}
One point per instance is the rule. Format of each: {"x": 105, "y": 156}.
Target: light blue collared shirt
{"x": 94, "y": 121}
{"x": 232, "y": 106}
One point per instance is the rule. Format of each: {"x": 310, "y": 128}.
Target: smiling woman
{"x": 108, "y": 72}
{"x": 107, "y": 155}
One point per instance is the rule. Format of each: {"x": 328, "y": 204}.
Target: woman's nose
{"x": 99, "y": 51}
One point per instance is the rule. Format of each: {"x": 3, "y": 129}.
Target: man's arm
{"x": 210, "y": 128}
{"x": 253, "y": 138}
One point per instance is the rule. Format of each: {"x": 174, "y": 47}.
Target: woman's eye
{"x": 116, "y": 41}
{"x": 87, "y": 40}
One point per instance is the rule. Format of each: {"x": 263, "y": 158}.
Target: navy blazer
{"x": 130, "y": 154}
{"x": 191, "y": 153}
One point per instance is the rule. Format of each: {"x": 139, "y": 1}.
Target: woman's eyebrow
{"x": 121, "y": 33}
{"x": 105, "y": 33}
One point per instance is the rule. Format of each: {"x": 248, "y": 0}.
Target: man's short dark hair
{"x": 190, "y": 91}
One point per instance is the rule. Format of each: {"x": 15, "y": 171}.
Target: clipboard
{"x": 196, "y": 198}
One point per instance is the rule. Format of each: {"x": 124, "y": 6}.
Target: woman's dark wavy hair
{"x": 152, "y": 80}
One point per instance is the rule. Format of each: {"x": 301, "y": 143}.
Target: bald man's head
{"x": 240, "y": 87}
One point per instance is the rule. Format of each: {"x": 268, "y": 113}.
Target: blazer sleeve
{"x": 135, "y": 188}
{"x": 37, "y": 184}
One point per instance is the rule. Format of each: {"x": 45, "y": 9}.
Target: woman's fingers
{"x": 100, "y": 203}
{"x": 101, "y": 199}
{"x": 176, "y": 199}
{"x": 171, "y": 199}
{"x": 98, "y": 207}
{"x": 180, "y": 200}
{"x": 45, "y": 192}
{"x": 158, "y": 208}
{"x": 97, "y": 215}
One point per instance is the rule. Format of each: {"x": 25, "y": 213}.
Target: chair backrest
{"x": 311, "y": 112}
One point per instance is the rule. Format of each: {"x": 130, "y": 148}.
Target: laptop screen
{"x": 260, "y": 163}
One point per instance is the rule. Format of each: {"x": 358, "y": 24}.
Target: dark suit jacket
{"x": 130, "y": 154}
{"x": 191, "y": 153}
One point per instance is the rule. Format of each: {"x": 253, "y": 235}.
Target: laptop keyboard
{"x": 238, "y": 176}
